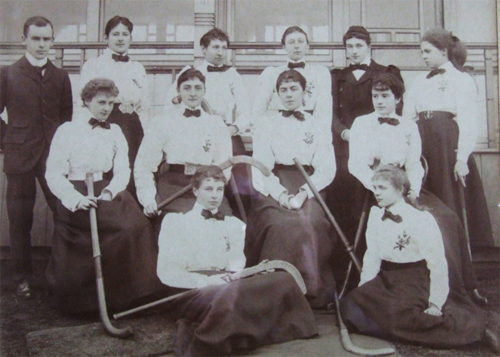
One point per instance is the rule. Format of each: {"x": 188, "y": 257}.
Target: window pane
{"x": 156, "y": 20}
{"x": 392, "y": 14}
{"x": 69, "y": 18}
{"x": 265, "y": 21}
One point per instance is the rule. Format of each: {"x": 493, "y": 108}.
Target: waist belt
{"x": 429, "y": 114}
{"x": 78, "y": 176}
{"x": 388, "y": 266}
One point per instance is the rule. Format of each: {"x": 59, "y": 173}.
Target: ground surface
{"x": 20, "y": 317}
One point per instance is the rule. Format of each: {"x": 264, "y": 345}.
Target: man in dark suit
{"x": 352, "y": 97}
{"x": 38, "y": 99}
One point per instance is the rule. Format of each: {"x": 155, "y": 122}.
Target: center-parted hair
{"x": 115, "y": 21}
{"x": 205, "y": 172}
{"x": 189, "y": 74}
{"x": 291, "y": 76}
{"x": 98, "y": 85}
{"x": 388, "y": 81}
{"x": 38, "y": 21}
{"x": 290, "y": 30}
{"x": 358, "y": 32}
{"x": 213, "y": 34}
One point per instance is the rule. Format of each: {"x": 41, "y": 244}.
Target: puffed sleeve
{"x": 148, "y": 158}
{"x": 58, "y": 168}
{"x": 324, "y": 106}
{"x": 121, "y": 167}
{"x": 172, "y": 252}
{"x": 396, "y": 72}
{"x": 263, "y": 152}
{"x": 144, "y": 101}
{"x": 430, "y": 245}
{"x": 371, "y": 260}
{"x": 88, "y": 72}
{"x": 264, "y": 91}
{"x": 337, "y": 126}
{"x": 360, "y": 157}
{"x": 410, "y": 110}
{"x": 323, "y": 162}
{"x": 224, "y": 145}
{"x": 413, "y": 166}
{"x": 466, "y": 97}
{"x": 236, "y": 257}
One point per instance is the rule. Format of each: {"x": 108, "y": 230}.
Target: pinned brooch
{"x": 228, "y": 245}
{"x": 403, "y": 241}
{"x": 309, "y": 139}
{"x": 207, "y": 145}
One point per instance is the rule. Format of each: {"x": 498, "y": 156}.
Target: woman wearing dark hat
{"x": 352, "y": 97}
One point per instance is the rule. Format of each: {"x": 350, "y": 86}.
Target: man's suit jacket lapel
{"x": 349, "y": 77}
{"x": 374, "y": 69}
{"x": 27, "y": 69}
{"x": 49, "y": 71}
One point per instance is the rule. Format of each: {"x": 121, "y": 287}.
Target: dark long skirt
{"x": 439, "y": 144}
{"x": 129, "y": 254}
{"x": 303, "y": 238}
{"x": 262, "y": 309}
{"x": 132, "y": 130}
{"x": 391, "y": 306}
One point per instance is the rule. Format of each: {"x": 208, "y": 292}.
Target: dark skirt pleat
{"x": 128, "y": 254}
{"x": 220, "y": 320}
{"x": 303, "y": 238}
{"x": 391, "y": 306}
{"x": 132, "y": 130}
{"x": 439, "y": 144}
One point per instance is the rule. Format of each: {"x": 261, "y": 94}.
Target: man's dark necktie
{"x": 103, "y": 124}
{"x": 293, "y": 65}
{"x": 362, "y": 67}
{"x": 39, "y": 70}
{"x": 435, "y": 72}
{"x": 208, "y": 214}
{"x": 120, "y": 58}
{"x": 390, "y": 121}
{"x": 222, "y": 68}
{"x": 288, "y": 113}
{"x": 393, "y": 217}
{"x": 192, "y": 113}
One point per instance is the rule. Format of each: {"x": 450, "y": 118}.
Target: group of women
{"x": 137, "y": 161}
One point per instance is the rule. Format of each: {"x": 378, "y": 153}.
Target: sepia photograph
{"x": 249, "y": 178}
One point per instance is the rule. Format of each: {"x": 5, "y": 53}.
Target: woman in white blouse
{"x": 443, "y": 102}
{"x": 318, "y": 91}
{"x": 404, "y": 292}
{"x": 286, "y": 222}
{"x": 90, "y": 144}
{"x": 385, "y": 138}
{"x": 131, "y": 108}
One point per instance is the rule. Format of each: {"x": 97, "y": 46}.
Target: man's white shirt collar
{"x": 34, "y": 61}
{"x": 367, "y": 61}
{"x": 109, "y": 52}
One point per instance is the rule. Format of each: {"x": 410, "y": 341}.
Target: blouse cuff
{"x": 71, "y": 201}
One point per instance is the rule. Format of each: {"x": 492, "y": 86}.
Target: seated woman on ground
{"x": 90, "y": 144}
{"x": 286, "y": 222}
{"x": 196, "y": 251}
{"x": 404, "y": 293}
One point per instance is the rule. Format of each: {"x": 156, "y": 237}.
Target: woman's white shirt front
{"x": 278, "y": 140}
{"x": 129, "y": 77}
{"x": 452, "y": 91}
{"x": 417, "y": 237}
{"x": 399, "y": 145}
{"x": 78, "y": 149}
{"x": 203, "y": 140}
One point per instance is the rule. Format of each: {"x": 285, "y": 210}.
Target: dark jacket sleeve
{"x": 337, "y": 126}
{"x": 67, "y": 100}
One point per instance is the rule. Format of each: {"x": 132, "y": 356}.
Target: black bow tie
{"x": 390, "y": 121}
{"x": 103, "y": 124}
{"x": 222, "y": 68}
{"x": 208, "y": 214}
{"x": 39, "y": 70}
{"x": 293, "y": 65}
{"x": 288, "y": 113}
{"x": 393, "y": 217}
{"x": 120, "y": 58}
{"x": 435, "y": 72}
{"x": 192, "y": 113}
{"x": 354, "y": 67}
